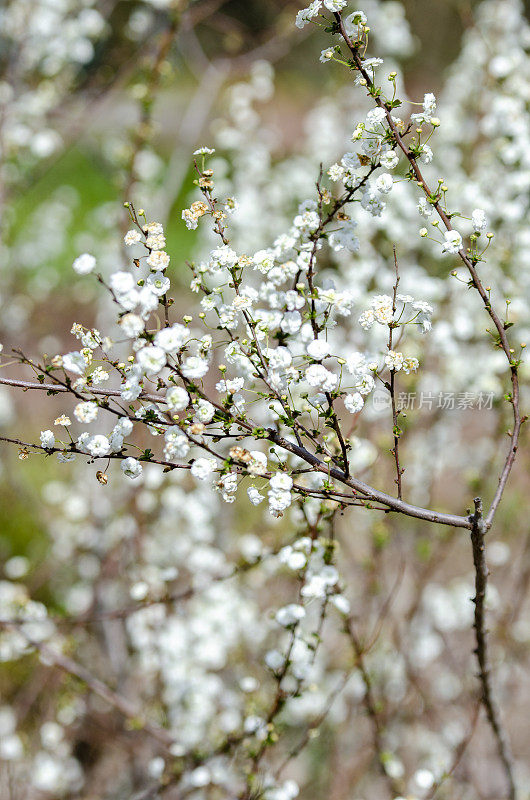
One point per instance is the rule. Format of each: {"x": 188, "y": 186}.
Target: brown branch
{"x": 369, "y": 494}
{"x": 52, "y": 387}
{"x": 469, "y": 263}
{"x": 478, "y": 532}
{"x": 391, "y": 386}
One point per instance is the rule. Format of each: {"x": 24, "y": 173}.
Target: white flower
{"x": 121, "y": 282}
{"x": 11, "y": 748}
{"x": 86, "y": 412}
{"x": 336, "y": 172}
{"x": 429, "y": 107}
{"x": 280, "y": 481}
{"x": 190, "y": 219}
{"x": 132, "y": 325}
{"x": 410, "y": 365}
{"x": 326, "y": 54}
{"x": 453, "y": 242}
{"x": 204, "y": 411}
{"x": 341, "y": 603}
{"x": 345, "y": 237}
{"x": 154, "y": 229}
{"x": 426, "y": 154}
{"x": 279, "y": 357}
{"x": 98, "y": 445}
{"x": 372, "y": 203}
{"x": 63, "y": 420}
{"x": 132, "y": 237}
{"x": 279, "y": 500}
{"x": 254, "y": 496}
{"x": 224, "y": 256}
{"x": 148, "y": 295}
{"x": 354, "y": 402}
{"x": 354, "y": 21}
{"x": 151, "y": 358}
{"x": 423, "y": 317}
{"x": 479, "y": 220}
{"x": 279, "y": 493}
{"x": 194, "y": 367}
{"x": 294, "y": 559}
{"x": 319, "y": 583}
{"x": 263, "y": 261}
{"x": 131, "y": 467}
{"x": 382, "y": 309}
{"x": 84, "y": 264}
{"x": 227, "y": 486}
{"x": 158, "y": 283}
{"x": 202, "y": 468}
{"x": 290, "y": 615}
{"x": 318, "y": 349}
{"x": 47, "y": 439}
{"x": 306, "y": 14}
{"x": 367, "y": 319}
{"x": 390, "y": 159}
{"x": 394, "y": 360}
{"x": 424, "y": 779}
{"x": 204, "y": 151}
{"x": 131, "y": 389}
{"x": 158, "y": 260}
{"x": 124, "y": 426}
{"x": 257, "y": 463}
{"x": 177, "y": 398}
{"x": 99, "y": 375}
{"x": 274, "y": 660}
{"x": 335, "y": 5}
{"x": 291, "y": 322}
{"x": 171, "y": 339}
{"x": 177, "y": 445}
{"x": 384, "y": 183}
{"x": 74, "y": 362}
{"x": 424, "y": 207}
{"x": 317, "y": 375}
{"x": 230, "y": 385}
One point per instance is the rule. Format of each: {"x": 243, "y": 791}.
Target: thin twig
{"x": 478, "y": 532}
{"x": 469, "y": 263}
{"x": 58, "y": 388}
{"x": 391, "y": 386}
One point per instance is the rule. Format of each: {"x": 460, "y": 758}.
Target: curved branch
{"x": 469, "y": 263}
{"x": 478, "y": 532}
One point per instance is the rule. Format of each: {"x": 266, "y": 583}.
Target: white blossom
{"x": 84, "y": 264}
{"x": 453, "y": 242}
{"x": 131, "y": 467}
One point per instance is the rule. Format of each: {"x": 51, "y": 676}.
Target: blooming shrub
{"x": 221, "y": 673}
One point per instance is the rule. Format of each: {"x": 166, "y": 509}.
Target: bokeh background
{"x": 114, "y": 115}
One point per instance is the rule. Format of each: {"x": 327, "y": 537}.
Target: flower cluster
{"x": 257, "y": 393}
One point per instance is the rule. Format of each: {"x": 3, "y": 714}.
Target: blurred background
{"x": 105, "y": 102}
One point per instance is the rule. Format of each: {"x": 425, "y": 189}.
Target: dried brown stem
{"x": 478, "y": 533}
